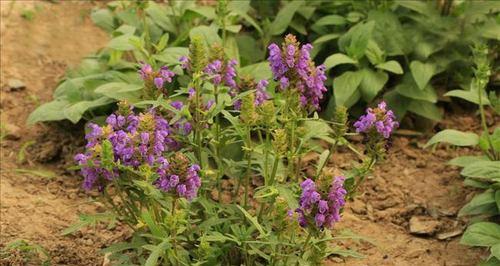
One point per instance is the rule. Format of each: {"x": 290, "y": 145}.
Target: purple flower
{"x": 294, "y": 65}
{"x": 261, "y": 94}
{"x": 145, "y": 71}
{"x": 184, "y": 60}
{"x": 177, "y": 105}
{"x": 322, "y": 209}
{"x": 158, "y": 83}
{"x": 378, "y": 120}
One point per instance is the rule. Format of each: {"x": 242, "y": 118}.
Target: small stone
{"x": 15, "y": 85}
{"x": 13, "y": 132}
{"x": 423, "y": 225}
{"x": 450, "y": 234}
{"x": 89, "y": 242}
{"x": 358, "y": 207}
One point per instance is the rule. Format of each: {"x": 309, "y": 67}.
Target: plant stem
{"x": 249, "y": 165}
{"x": 484, "y": 125}
{"x": 174, "y": 233}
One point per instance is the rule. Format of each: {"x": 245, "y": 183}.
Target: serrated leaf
{"x": 454, "y": 137}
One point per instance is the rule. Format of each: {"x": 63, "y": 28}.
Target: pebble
{"x": 15, "y": 85}
{"x": 13, "y": 132}
{"x": 450, "y": 234}
{"x": 423, "y": 225}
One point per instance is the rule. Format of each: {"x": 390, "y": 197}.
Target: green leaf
{"x": 492, "y": 261}
{"x": 425, "y": 109}
{"x": 345, "y": 86}
{"x": 374, "y": 54}
{"x": 482, "y": 204}
{"x": 373, "y": 82}
{"x": 157, "y": 252}
{"x": 103, "y": 18}
{"x": 338, "y": 59}
{"x": 391, "y": 66}
{"x": 454, "y": 137}
{"x": 355, "y": 41}
{"x": 331, "y": 20}
{"x": 471, "y": 96}
{"x": 209, "y": 34}
{"x": 284, "y": 17}
{"x": 482, "y": 234}
{"x": 409, "y": 89}
{"x": 463, "y": 161}
{"x": 171, "y": 55}
{"x": 75, "y": 111}
{"x": 120, "y": 91}
{"x": 160, "y": 17}
{"x": 483, "y": 169}
{"x": 258, "y": 71}
{"x": 327, "y": 37}
{"x": 123, "y": 42}
{"x": 422, "y": 73}
{"x": 41, "y": 173}
{"x": 51, "y": 111}
{"x": 253, "y": 220}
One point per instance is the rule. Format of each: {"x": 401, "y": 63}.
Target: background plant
{"x": 482, "y": 172}
{"x": 409, "y": 53}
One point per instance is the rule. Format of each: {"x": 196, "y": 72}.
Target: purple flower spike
{"x": 378, "y": 120}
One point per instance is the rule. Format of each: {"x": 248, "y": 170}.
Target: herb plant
{"x": 212, "y": 173}
{"x": 482, "y": 172}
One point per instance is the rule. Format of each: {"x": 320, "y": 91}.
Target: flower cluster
{"x": 321, "y": 208}
{"x": 378, "y": 120}
{"x": 179, "y": 177}
{"x": 293, "y": 67}
{"x": 129, "y": 140}
{"x": 158, "y": 78}
{"x": 221, "y": 73}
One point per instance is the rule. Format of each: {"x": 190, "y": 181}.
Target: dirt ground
{"x": 37, "y": 49}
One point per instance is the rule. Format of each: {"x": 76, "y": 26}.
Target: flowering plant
{"x": 211, "y": 173}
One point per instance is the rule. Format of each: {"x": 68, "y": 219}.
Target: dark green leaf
{"x": 284, "y": 17}
{"x": 482, "y": 234}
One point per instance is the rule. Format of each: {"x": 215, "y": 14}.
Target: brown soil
{"x": 412, "y": 182}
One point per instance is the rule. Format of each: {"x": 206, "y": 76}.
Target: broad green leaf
{"x": 258, "y": 71}
{"x": 120, "y": 91}
{"x": 338, "y": 59}
{"x": 492, "y": 261}
{"x": 171, "y": 55}
{"x": 75, "y": 111}
{"x": 425, "y": 109}
{"x": 373, "y": 82}
{"x": 355, "y": 41}
{"x": 491, "y": 29}
{"x": 104, "y": 19}
{"x": 327, "y": 37}
{"x": 422, "y": 73}
{"x": 345, "y": 86}
{"x": 483, "y": 169}
{"x": 482, "y": 234}
{"x": 374, "y": 53}
{"x": 454, "y": 137}
{"x": 284, "y": 17}
{"x": 331, "y": 20}
{"x": 497, "y": 198}
{"x": 51, "y": 111}
{"x": 231, "y": 47}
{"x": 463, "y": 161}
{"x": 160, "y": 17}
{"x": 206, "y": 11}
{"x": 482, "y": 204}
{"x": 470, "y": 95}
{"x": 123, "y": 42}
{"x": 209, "y": 34}
{"x": 391, "y": 66}
{"x": 409, "y": 89}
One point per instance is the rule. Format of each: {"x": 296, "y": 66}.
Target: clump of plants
{"x": 212, "y": 172}
{"x": 483, "y": 171}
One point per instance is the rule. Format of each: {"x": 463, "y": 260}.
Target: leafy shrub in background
{"x": 407, "y": 52}
{"x": 209, "y": 173}
{"x": 482, "y": 172}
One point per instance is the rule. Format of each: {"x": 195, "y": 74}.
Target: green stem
{"x": 174, "y": 233}
{"x": 490, "y": 153}
{"x": 249, "y": 165}
{"x": 330, "y": 152}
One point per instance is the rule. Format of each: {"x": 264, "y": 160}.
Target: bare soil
{"x": 413, "y": 182}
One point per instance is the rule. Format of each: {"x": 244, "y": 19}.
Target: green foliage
{"x": 482, "y": 172}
